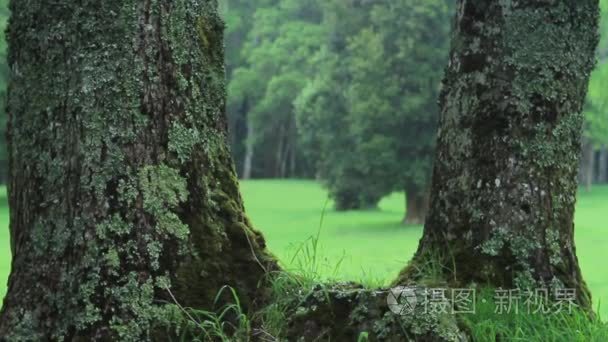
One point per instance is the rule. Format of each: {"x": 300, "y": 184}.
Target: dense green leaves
{"x": 372, "y": 110}
{"x": 273, "y": 61}
{"x": 346, "y": 91}
{"x": 341, "y": 90}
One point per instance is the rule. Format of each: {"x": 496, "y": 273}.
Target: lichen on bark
{"x": 504, "y": 183}
{"x": 121, "y": 182}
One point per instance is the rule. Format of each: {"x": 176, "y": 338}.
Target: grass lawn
{"x": 370, "y": 246}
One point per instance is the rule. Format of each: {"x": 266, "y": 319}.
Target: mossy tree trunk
{"x": 504, "y": 183}
{"x": 121, "y": 181}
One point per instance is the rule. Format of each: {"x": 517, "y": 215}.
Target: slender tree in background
{"x": 504, "y": 183}
{"x": 122, "y": 188}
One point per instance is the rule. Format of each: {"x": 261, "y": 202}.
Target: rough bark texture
{"x": 121, "y": 181}
{"x": 504, "y": 183}
{"x": 416, "y": 208}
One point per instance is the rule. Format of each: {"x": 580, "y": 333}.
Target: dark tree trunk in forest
{"x": 121, "y": 180}
{"x": 3, "y": 171}
{"x": 249, "y": 152}
{"x": 602, "y": 176}
{"x": 587, "y": 164}
{"x": 416, "y": 206}
{"x": 504, "y": 183}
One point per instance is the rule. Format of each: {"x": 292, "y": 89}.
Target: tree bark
{"x": 122, "y": 187}
{"x": 416, "y": 206}
{"x": 504, "y": 182}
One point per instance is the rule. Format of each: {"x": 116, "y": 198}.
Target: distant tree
{"x": 122, "y": 187}
{"x": 324, "y": 133}
{"x": 396, "y": 66}
{"x": 504, "y": 183}
{"x": 382, "y": 82}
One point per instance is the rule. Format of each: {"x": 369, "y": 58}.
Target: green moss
{"x": 118, "y": 154}
{"x": 113, "y": 259}
{"x": 163, "y": 190}
{"x": 204, "y": 32}
{"x": 509, "y": 143}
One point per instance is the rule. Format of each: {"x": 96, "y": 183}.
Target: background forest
{"x": 334, "y": 91}
{"x": 332, "y": 109}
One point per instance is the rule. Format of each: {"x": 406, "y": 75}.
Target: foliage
{"x": 596, "y": 107}
{"x": 369, "y": 117}
{"x": 336, "y": 90}
{"x": 275, "y": 59}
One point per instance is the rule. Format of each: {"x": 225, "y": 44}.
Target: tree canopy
{"x": 341, "y": 91}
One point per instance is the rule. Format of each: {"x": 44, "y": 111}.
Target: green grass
{"x": 525, "y": 325}
{"x": 374, "y": 246}
{"x": 369, "y": 246}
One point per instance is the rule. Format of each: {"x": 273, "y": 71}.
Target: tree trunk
{"x": 603, "y": 166}
{"x": 293, "y": 161}
{"x": 293, "y": 151}
{"x": 504, "y": 183}
{"x": 121, "y": 181}
{"x": 3, "y": 171}
{"x": 279, "y": 156}
{"x": 587, "y": 164}
{"x": 417, "y": 203}
{"x": 249, "y": 152}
